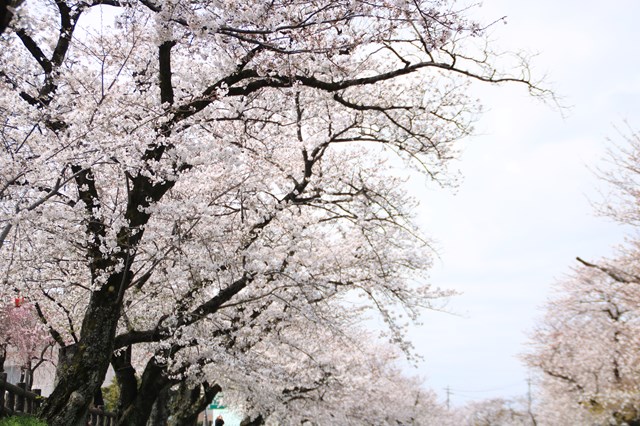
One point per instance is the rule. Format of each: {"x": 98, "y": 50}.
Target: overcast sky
{"x": 524, "y": 210}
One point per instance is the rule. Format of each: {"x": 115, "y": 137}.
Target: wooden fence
{"x": 17, "y": 400}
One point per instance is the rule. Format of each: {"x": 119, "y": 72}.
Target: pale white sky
{"x": 523, "y": 212}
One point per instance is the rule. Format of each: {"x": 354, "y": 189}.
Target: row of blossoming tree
{"x": 199, "y": 193}
{"x": 584, "y": 352}
{"x": 586, "y": 349}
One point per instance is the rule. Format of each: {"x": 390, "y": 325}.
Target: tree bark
{"x": 126, "y": 378}
{"x": 3, "y": 356}
{"x": 160, "y": 412}
{"x": 78, "y": 381}
{"x": 6, "y": 12}
{"x": 65, "y": 357}
{"x": 153, "y": 382}
{"x": 258, "y": 421}
{"x": 189, "y": 402}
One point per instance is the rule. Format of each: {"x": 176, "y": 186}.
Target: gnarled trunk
{"x": 160, "y": 412}
{"x": 189, "y": 402}
{"x": 126, "y": 378}
{"x": 84, "y": 373}
{"x": 138, "y": 411}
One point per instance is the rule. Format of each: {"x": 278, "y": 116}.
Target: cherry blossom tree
{"x": 620, "y": 201}
{"x": 495, "y": 411}
{"x": 329, "y": 380}
{"x": 221, "y": 167}
{"x": 23, "y": 339}
{"x": 271, "y": 356}
{"x": 586, "y": 347}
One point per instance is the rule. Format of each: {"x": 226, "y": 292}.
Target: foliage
{"x": 22, "y": 421}
{"x": 111, "y": 394}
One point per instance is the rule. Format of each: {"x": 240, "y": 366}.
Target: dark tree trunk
{"x": 258, "y": 421}
{"x": 126, "y": 377}
{"x": 153, "y": 382}
{"x": 65, "y": 357}
{"x": 69, "y": 403}
{"x": 84, "y": 372}
{"x": 160, "y": 411}
{"x": 189, "y": 402}
{"x": 3, "y": 356}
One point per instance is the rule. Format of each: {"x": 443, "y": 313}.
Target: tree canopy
{"x": 196, "y": 183}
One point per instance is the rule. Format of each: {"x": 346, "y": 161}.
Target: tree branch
{"x": 35, "y": 50}
{"x": 54, "y": 333}
{"x": 6, "y": 12}
{"x": 616, "y": 275}
{"x": 166, "y": 87}
{"x": 207, "y": 308}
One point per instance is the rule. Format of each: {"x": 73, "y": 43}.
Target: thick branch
{"x": 616, "y": 275}
{"x": 88, "y": 193}
{"x": 207, "y": 308}
{"x": 258, "y": 82}
{"x": 6, "y": 13}
{"x": 126, "y": 375}
{"x": 67, "y": 25}
{"x": 68, "y": 20}
{"x": 166, "y": 87}
{"x": 35, "y": 50}
{"x": 210, "y": 94}
{"x": 52, "y": 331}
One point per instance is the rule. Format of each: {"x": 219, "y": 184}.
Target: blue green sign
{"x": 217, "y": 403}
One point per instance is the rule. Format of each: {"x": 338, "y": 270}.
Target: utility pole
{"x": 448, "y": 390}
